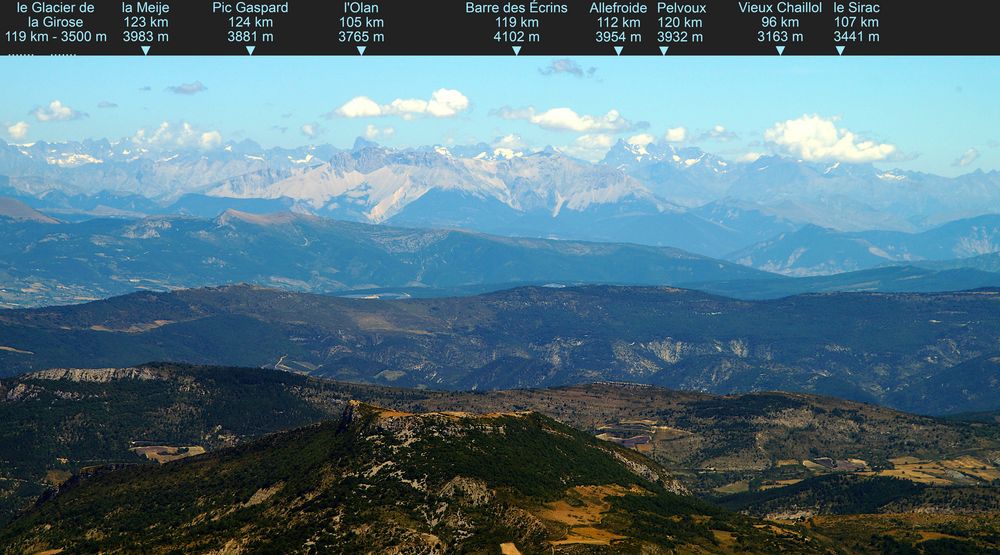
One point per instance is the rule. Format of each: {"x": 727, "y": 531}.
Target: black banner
{"x": 501, "y": 28}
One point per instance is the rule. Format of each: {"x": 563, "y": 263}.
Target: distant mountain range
{"x": 659, "y": 195}
{"x": 892, "y": 279}
{"x": 812, "y": 250}
{"x": 926, "y": 353}
{"x": 41, "y": 263}
{"x": 985, "y": 263}
{"x": 44, "y": 264}
{"x": 91, "y": 167}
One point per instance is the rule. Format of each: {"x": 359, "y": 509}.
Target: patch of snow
{"x": 879, "y": 252}
{"x": 889, "y": 176}
{"x": 71, "y": 160}
{"x": 559, "y": 204}
{"x": 638, "y": 149}
{"x": 305, "y": 160}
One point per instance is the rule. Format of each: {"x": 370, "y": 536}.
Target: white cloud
{"x": 56, "y": 111}
{"x": 309, "y": 130}
{"x": 676, "y": 135}
{"x": 360, "y": 107}
{"x": 188, "y": 88}
{"x": 642, "y": 139}
{"x": 372, "y": 132}
{"x": 596, "y": 141}
{"x": 590, "y": 147}
{"x": 566, "y": 119}
{"x": 640, "y": 142}
{"x": 443, "y": 103}
{"x": 967, "y": 158}
{"x": 18, "y": 130}
{"x": 168, "y": 135}
{"x": 815, "y": 138}
{"x": 509, "y": 146}
{"x": 446, "y": 103}
{"x": 210, "y": 139}
{"x": 749, "y": 157}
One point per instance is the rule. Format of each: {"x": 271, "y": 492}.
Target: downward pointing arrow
{"x": 517, "y": 50}
{"x": 780, "y": 49}
{"x": 361, "y": 50}
{"x": 250, "y": 49}
{"x": 663, "y": 50}
{"x": 145, "y": 50}
{"x": 618, "y": 50}
{"x": 840, "y": 49}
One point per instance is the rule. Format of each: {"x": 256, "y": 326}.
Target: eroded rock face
{"x": 21, "y": 392}
{"x": 645, "y": 471}
{"x": 99, "y": 375}
{"x": 467, "y": 490}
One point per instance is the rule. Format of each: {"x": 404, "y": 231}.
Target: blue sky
{"x": 932, "y": 114}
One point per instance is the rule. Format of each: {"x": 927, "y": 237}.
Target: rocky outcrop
{"x": 99, "y": 375}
